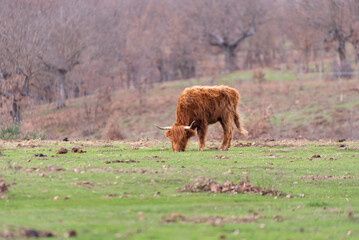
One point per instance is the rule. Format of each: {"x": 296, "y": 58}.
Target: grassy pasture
{"x": 100, "y": 198}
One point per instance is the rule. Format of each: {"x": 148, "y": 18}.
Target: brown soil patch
{"x": 62, "y": 151}
{"x": 53, "y": 168}
{"x": 213, "y": 220}
{"x": 25, "y": 233}
{"x": 221, "y": 157}
{"x": 109, "y": 196}
{"x": 122, "y": 161}
{"x": 276, "y": 143}
{"x": 48, "y": 168}
{"x": 83, "y": 184}
{"x": 69, "y": 234}
{"x": 315, "y": 177}
{"x": 278, "y": 218}
{"x": 3, "y": 187}
{"x": 77, "y": 150}
{"x": 202, "y": 184}
{"x": 248, "y": 144}
{"x": 40, "y": 155}
{"x": 138, "y": 170}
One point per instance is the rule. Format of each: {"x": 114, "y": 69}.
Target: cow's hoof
{"x": 201, "y": 149}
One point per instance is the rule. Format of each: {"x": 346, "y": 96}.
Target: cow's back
{"x": 206, "y": 103}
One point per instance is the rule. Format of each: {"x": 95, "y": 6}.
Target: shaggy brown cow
{"x": 200, "y": 106}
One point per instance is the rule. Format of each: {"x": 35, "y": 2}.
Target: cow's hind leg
{"x": 202, "y": 132}
{"x": 227, "y": 134}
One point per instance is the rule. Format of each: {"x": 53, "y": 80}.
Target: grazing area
{"x": 267, "y": 91}
{"x": 142, "y": 190}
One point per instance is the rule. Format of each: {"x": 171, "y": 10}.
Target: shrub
{"x": 112, "y": 129}
{"x": 10, "y": 131}
{"x": 258, "y": 76}
{"x": 34, "y": 135}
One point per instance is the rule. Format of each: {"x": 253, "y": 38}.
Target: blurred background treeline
{"x": 110, "y": 69}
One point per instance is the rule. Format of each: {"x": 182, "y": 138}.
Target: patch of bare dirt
{"x": 278, "y": 218}
{"x": 62, "y": 151}
{"x": 25, "y": 233}
{"x": 222, "y": 157}
{"x": 83, "y": 184}
{"x": 16, "y": 168}
{"x": 122, "y": 161}
{"x": 202, "y": 184}
{"x": 213, "y": 220}
{"x": 138, "y": 170}
{"x": 53, "y": 168}
{"x": 315, "y": 177}
{"x": 273, "y": 143}
{"x": 3, "y": 187}
{"x": 247, "y": 144}
{"x": 77, "y": 150}
{"x": 40, "y": 155}
{"x": 70, "y": 233}
{"x": 109, "y": 196}
{"x": 48, "y": 168}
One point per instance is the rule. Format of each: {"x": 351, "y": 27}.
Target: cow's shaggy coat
{"x": 204, "y": 106}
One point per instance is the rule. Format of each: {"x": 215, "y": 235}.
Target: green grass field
{"x": 138, "y": 196}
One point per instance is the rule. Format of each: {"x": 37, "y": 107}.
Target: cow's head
{"x": 179, "y": 136}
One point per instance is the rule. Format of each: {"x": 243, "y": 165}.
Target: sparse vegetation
{"x": 10, "y": 131}
{"x": 314, "y": 113}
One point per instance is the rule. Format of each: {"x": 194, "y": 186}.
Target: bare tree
{"x": 226, "y": 24}
{"x": 68, "y": 38}
{"x": 21, "y": 39}
{"x": 333, "y": 18}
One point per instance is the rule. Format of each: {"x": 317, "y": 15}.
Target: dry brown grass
{"x": 269, "y": 109}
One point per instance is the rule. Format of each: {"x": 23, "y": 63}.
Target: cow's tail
{"x": 237, "y": 121}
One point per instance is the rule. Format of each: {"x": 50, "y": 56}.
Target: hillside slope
{"x": 270, "y": 108}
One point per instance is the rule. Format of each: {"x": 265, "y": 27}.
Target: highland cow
{"x": 200, "y": 106}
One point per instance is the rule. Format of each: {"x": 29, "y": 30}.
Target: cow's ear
{"x": 168, "y": 133}
{"x": 190, "y": 133}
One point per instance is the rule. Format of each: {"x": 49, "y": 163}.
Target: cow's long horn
{"x": 189, "y": 127}
{"x": 163, "y": 128}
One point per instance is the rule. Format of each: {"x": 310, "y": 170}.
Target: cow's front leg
{"x": 202, "y": 132}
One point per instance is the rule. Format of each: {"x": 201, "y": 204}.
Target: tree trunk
{"x": 135, "y": 78}
{"x": 60, "y": 99}
{"x": 230, "y": 58}
{"x": 306, "y": 58}
{"x": 356, "y": 50}
{"x": 77, "y": 92}
{"x": 341, "y": 51}
{"x": 25, "y": 91}
{"x": 15, "y": 112}
{"x": 249, "y": 59}
{"x": 128, "y": 77}
{"x": 162, "y": 70}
